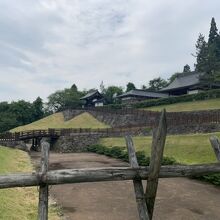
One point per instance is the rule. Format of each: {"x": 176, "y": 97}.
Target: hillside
{"x": 84, "y": 120}
{"x": 189, "y": 106}
{"x": 19, "y": 203}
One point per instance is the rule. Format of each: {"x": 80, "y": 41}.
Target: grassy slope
{"x": 18, "y": 203}
{"x": 187, "y": 149}
{"x": 84, "y": 120}
{"x": 189, "y": 106}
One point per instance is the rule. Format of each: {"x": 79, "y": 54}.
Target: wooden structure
{"x": 93, "y": 99}
{"x": 138, "y": 95}
{"x": 188, "y": 83}
{"x": 145, "y": 199}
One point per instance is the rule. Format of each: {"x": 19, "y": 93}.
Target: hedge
{"x": 209, "y": 94}
{"x": 121, "y": 153}
{"x": 143, "y": 160}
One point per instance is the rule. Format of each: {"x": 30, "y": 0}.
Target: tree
{"x": 38, "y": 108}
{"x": 208, "y": 56}
{"x": 213, "y": 33}
{"x": 186, "y": 69}
{"x": 111, "y": 92}
{"x": 201, "y": 54}
{"x": 157, "y": 84}
{"x": 62, "y": 99}
{"x": 130, "y": 86}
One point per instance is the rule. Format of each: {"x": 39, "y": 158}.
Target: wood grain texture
{"x": 137, "y": 182}
{"x": 43, "y": 190}
{"x": 158, "y": 143}
{"x": 216, "y": 146}
{"x": 103, "y": 174}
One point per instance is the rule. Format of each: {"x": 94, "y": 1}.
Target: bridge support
{"x": 35, "y": 144}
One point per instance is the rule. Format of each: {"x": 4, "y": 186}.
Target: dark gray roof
{"x": 184, "y": 80}
{"x": 143, "y": 93}
{"x": 90, "y": 94}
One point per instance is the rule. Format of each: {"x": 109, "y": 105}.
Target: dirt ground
{"x": 177, "y": 198}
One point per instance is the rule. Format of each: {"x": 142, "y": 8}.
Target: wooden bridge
{"x": 55, "y": 133}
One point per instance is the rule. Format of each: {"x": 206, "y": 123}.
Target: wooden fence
{"x": 29, "y": 134}
{"x": 145, "y": 198}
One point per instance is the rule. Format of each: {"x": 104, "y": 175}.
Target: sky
{"x": 48, "y": 45}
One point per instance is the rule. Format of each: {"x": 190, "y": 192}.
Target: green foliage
{"x": 212, "y": 178}
{"x": 19, "y": 113}
{"x": 121, "y": 153}
{"x": 157, "y": 83}
{"x": 130, "y": 86}
{"x": 63, "y": 99}
{"x": 208, "y": 56}
{"x": 184, "y": 98}
{"x": 186, "y": 69}
{"x": 111, "y": 92}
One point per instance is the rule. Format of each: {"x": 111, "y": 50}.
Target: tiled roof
{"x": 184, "y": 80}
{"x": 143, "y": 93}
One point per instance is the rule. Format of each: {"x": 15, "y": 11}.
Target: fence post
{"x": 43, "y": 190}
{"x": 158, "y": 142}
{"x": 216, "y": 146}
{"x": 138, "y": 186}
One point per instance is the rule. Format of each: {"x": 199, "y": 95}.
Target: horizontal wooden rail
{"x": 103, "y": 174}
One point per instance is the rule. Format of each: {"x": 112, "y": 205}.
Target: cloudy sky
{"x": 47, "y": 45}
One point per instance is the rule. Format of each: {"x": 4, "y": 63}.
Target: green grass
{"x": 84, "y": 120}
{"x": 189, "y": 106}
{"x": 19, "y": 203}
{"x": 185, "y": 149}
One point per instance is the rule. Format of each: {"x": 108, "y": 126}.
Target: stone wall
{"x": 15, "y": 144}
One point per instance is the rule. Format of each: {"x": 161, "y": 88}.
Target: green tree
{"x": 62, "y": 99}
{"x": 157, "y": 83}
{"x": 38, "y": 108}
{"x": 111, "y": 92}
{"x": 186, "y": 69}
{"x": 130, "y": 86}
{"x": 202, "y": 54}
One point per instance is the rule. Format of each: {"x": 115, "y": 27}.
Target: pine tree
{"x": 186, "y": 69}
{"x": 213, "y": 33}
{"x": 202, "y": 54}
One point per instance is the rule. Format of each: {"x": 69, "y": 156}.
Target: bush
{"x": 121, "y": 153}
{"x": 211, "y": 178}
{"x": 143, "y": 160}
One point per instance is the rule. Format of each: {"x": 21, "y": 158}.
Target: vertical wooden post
{"x": 216, "y": 146}
{"x": 158, "y": 142}
{"x": 43, "y": 190}
{"x": 138, "y": 187}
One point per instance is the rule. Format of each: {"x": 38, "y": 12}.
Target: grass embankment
{"x": 185, "y": 149}
{"x": 19, "y": 203}
{"x": 189, "y": 106}
{"x": 84, "y": 120}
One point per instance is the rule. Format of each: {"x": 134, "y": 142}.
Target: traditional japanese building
{"x": 137, "y": 95}
{"x": 188, "y": 83}
{"x": 93, "y": 99}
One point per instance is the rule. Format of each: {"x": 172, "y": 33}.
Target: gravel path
{"x": 177, "y": 198}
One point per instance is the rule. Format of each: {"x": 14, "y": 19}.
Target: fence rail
{"x": 54, "y": 133}
{"x": 145, "y": 199}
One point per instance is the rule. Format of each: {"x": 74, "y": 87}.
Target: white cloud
{"x": 47, "y": 45}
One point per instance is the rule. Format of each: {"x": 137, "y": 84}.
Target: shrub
{"x": 143, "y": 160}
{"x": 121, "y": 153}
{"x": 210, "y": 94}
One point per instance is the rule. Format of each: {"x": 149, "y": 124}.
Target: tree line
{"x": 22, "y": 112}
